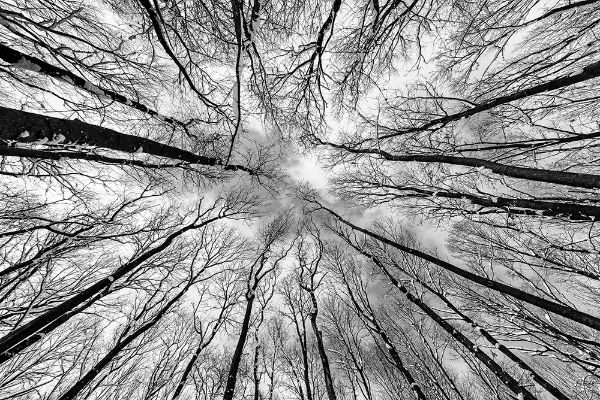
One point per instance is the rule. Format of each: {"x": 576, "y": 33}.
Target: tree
{"x": 309, "y": 260}
{"x": 155, "y": 241}
{"x": 264, "y": 265}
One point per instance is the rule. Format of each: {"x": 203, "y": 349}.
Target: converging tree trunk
{"x": 564, "y": 311}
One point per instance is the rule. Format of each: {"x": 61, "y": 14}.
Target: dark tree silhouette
{"x": 283, "y": 199}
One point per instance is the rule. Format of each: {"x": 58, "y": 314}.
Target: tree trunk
{"x": 12, "y": 339}
{"x": 16, "y": 58}
{"x": 255, "y": 374}
{"x": 187, "y": 371}
{"x": 492, "y": 341}
{"x": 239, "y": 349}
{"x": 321, "y": 348}
{"x": 503, "y": 376}
{"x": 559, "y": 309}
{"x": 589, "y": 181}
{"x": 572, "y": 211}
{"x": 26, "y": 127}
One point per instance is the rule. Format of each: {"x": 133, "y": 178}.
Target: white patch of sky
{"x": 307, "y": 168}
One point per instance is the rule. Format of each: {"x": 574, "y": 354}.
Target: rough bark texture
{"x": 26, "y": 127}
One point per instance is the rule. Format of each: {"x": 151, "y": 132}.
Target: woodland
{"x": 299, "y": 199}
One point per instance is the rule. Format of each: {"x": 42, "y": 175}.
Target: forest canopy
{"x": 299, "y": 199}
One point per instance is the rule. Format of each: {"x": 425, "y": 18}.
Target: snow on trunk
{"x": 237, "y": 106}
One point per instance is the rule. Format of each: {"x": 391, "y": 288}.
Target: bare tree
{"x": 148, "y": 148}
{"x": 264, "y": 265}
{"x": 309, "y": 260}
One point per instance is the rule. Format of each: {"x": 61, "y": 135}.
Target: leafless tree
{"x": 154, "y": 243}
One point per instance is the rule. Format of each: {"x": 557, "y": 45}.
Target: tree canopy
{"x": 285, "y": 199}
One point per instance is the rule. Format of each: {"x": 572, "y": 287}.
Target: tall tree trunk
{"x": 575, "y": 179}
{"x": 570, "y": 210}
{"x": 66, "y": 308}
{"x": 496, "y": 369}
{"x": 255, "y": 374}
{"x": 492, "y": 341}
{"x": 187, "y": 371}
{"x": 18, "y": 59}
{"x": 26, "y": 127}
{"x": 321, "y": 347}
{"x": 239, "y": 349}
{"x": 559, "y": 309}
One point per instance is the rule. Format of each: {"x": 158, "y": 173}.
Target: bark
{"x": 26, "y": 127}
{"x": 590, "y": 71}
{"x": 504, "y": 377}
{"x": 572, "y": 211}
{"x": 57, "y": 313}
{"x": 556, "y": 308}
{"x": 574, "y": 179}
{"x": 73, "y": 155}
{"x": 255, "y": 373}
{"x": 321, "y": 348}
{"x": 239, "y": 349}
{"x": 16, "y": 59}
